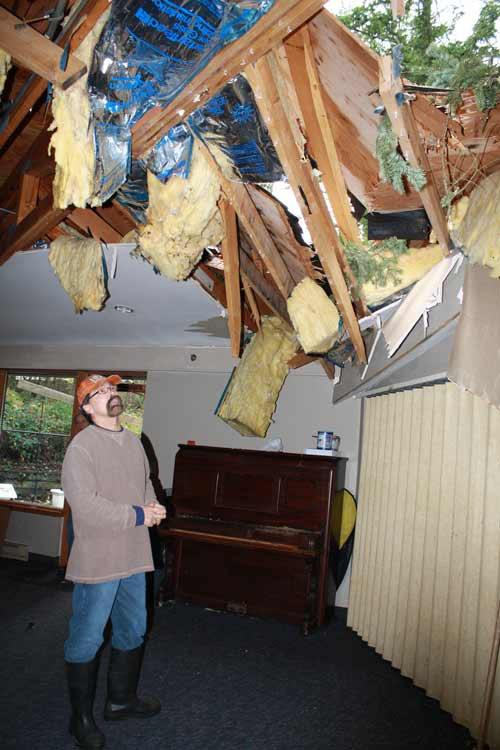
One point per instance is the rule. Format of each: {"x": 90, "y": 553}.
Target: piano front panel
{"x": 239, "y": 580}
{"x": 195, "y": 490}
{"x": 248, "y": 491}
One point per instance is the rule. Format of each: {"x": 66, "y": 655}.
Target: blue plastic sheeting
{"x": 232, "y": 122}
{"x": 133, "y": 194}
{"x": 172, "y": 154}
{"x": 148, "y": 51}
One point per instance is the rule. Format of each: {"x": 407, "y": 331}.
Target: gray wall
{"x": 181, "y": 396}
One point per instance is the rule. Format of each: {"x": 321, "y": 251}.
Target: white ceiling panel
{"x": 34, "y": 308}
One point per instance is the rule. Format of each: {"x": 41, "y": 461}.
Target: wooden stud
{"x": 405, "y": 127}
{"x": 37, "y": 53}
{"x": 307, "y": 191}
{"x": 230, "y": 255}
{"x": 28, "y": 195}
{"x": 85, "y": 21}
{"x": 327, "y": 149}
{"x": 321, "y": 144}
{"x": 252, "y": 302}
{"x": 281, "y": 20}
{"x": 32, "y": 227}
{"x": 301, "y": 359}
{"x": 237, "y": 194}
{"x": 91, "y": 223}
{"x": 211, "y": 283}
{"x": 263, "y": 288}
{"x": 117, "y": 217}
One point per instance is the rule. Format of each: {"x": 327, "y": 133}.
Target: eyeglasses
{"x": 102, "y": 391}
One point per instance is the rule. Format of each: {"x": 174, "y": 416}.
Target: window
{"x": 36, "y": 425}
{"x": 34, "y": 432}
{"x": 132, "y": 392}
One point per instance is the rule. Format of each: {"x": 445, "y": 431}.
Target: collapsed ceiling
{"x": 307, "y": 89}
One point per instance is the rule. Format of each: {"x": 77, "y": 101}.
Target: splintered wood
{"x": 306, "y": 188}
{"x": 405, "y": 127}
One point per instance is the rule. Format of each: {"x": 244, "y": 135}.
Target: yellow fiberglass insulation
{"x": 77, "y": 264}
{"x": 183, "y": 219}
{"x": 412, "y": 266}
{"x": 73, "y": 138}
{"x": 251, "y": 395}
{"x": 479, "y": 230}
{"x": 5, "y": 63}
{"x": 314, "y": 317}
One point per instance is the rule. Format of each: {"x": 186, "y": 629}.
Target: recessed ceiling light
{"x": 124, "y": 309}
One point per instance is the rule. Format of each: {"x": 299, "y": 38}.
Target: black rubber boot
{"x": 123, "y": 678}
{"x": 82, "y": 679}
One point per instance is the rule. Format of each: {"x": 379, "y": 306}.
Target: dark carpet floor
{"x": 225, "y": 681}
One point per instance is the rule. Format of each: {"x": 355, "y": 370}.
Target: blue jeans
{"x": 124, "y": 600}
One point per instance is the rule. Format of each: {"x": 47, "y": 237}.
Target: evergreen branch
{"x": 393, "y": 167}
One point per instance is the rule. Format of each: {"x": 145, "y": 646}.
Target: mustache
{"x": 114, "y": 403}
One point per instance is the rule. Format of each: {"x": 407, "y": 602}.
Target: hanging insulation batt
{"x": 314, "y": 317}
{"x": 251, "y": 395}
{"x": 183, "y": 219}
{"x": 479, "y": 230}
{"x": 78, "y": 265}
{"x": 5, "y": 63}
{"x": 73, "y": 138}
{"x": 412, "y": 267}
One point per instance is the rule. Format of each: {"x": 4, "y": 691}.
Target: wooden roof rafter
{"x": 280, "y": 20}
{"x": 34, "y": 51}
{"x": 269, "y": 94}
{"x": 230, "y": 254}
{"x": 405, "y": 127}
{"x": 81, "y": 22}
{"x": 213, "y": 284}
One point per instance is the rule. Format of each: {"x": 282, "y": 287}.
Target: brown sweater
{"x": 104, "y": 475}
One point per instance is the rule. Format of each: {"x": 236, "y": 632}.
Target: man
{"x": 105, "y": 477}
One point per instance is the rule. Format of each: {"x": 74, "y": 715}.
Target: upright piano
{"x": 250, "y": 531}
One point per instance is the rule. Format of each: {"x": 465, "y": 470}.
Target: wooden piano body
{"x": 250, "y": 531}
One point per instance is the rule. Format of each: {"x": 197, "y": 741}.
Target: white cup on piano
{"x": 57, "y": 498}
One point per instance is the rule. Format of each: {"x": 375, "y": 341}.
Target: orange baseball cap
{"x": 93, "y": 383}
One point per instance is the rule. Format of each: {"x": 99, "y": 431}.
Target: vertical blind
{"x": 426, "y": 564}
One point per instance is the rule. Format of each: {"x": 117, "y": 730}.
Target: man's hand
{"x": 154, "y": 513}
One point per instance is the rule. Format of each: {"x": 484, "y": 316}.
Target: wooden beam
{"x": 28, "y": 195}
{"x": 94, "y": 225}
{"x": 301, "y": 359}
{"x": 263, "y": 288}
{"x": 281, "y": 20}
{"x": 405, "y": 127}
{"x": 37, "y": 53}
{"x": 210, "y": 281}
{"x": 237, "y": 194}
{"x": 307, "y": 191}
{"x": 117, "y": 217}
{"x": 84, "y": 22}
{"x": 231, "y": 257}
{"x": 252, "y": 302}
{"x": 327, "y": 148}
{"x": 321, "y": 145}
{"x": 21, "y": 236}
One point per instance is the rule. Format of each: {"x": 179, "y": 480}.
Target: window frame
{"x": 6, "y": 506}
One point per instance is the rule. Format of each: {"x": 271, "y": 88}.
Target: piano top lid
{"x": 285, "y": 454}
